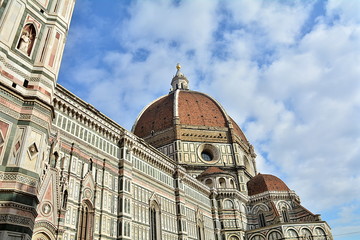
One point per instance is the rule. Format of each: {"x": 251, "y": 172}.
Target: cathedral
{"x": 185, "y": 171}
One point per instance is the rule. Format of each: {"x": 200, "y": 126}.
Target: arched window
{"x": 258, "y": 237}
{"x": 228, "y": 204}
{"x": 222, "y": 183}
{"x": 155, "y": 221}
{"x": 200, "y": 231}
{"x": 320, "y": 234}
{"x": 306, "y": 234}
{"x": 274, "y": 236}
{"x": 27, "y": 38}
{"x": 233, "y": 237}
{"x": 209, "y": 182}
{"x": 85, "y": 226}
{"x": 292, "y": 234}
{"x": 285, "y": 214}
{"x": 65, "y": 199}
{"x": 262, "y": 221}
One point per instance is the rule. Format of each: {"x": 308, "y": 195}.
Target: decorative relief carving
{"x": 25, "y": 76}
{"x": 16, "y": 219}
{"x": 46, "y": 208}
{"x": 18, "y": 178}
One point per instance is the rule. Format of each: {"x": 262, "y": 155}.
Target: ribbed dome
{"x": 265, "y": 182}
{"x": 185, "y": 107}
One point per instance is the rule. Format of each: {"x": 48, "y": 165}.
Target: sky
{"x": 286, "y": 71}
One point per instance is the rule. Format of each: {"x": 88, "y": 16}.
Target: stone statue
{"x": 24, "y": 42}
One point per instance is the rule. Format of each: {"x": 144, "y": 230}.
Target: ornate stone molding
{"x": 7, "y": 176}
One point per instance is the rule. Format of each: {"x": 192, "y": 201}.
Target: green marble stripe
{"x": 19, "y": 170}
{"x": 19, "y": 198}
{"x": 15, "y": 228}
{"x": 33, "y": 125}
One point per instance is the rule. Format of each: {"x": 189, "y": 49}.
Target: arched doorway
{"x": 41, "y": 236}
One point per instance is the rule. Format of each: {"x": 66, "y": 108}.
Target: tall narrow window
{"x": 200, "y": 231}
{"x": 53, "y": 160}
{"x": 155, "y": 222}
{"x": 91, "y": 165}
{"x": 262, "y": 221}
{"x": 85, "y": 222}
{"x": 285, "y": 215}
{"x": 65, "y": 199}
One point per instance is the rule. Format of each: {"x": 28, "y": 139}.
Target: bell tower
{"x": 32, "y": 38}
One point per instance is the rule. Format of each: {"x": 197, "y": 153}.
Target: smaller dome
{"x": 264, "y": 183}
{"x": 210, "y": 171}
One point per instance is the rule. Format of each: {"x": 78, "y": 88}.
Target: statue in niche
{"x": 27, "y": 38}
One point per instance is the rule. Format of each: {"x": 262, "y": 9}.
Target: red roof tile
{"x": 265, "y": 182}
{"x": 194, "y": 108}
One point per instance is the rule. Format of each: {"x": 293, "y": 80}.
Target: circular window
{"x": 208, "y": 153}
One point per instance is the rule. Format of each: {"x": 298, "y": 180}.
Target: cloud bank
{"x": 286, "y": 71}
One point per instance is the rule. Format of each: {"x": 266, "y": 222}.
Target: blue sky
{"x": 287, "y": 71}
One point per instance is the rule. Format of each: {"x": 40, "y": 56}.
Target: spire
{"x": 179, "y": 81}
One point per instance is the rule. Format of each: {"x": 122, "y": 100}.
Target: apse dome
{"x": 265, "y": 183}
{"x": 186, "y": 115}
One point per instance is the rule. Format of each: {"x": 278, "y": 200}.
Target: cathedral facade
{"x": 67, "y": 171}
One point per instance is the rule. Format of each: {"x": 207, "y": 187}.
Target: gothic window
{"x": 262, "y": 222}
{"x": 65, "y": 199}
{"x": 27, "y": 38}
{"x": 155, "y": 223}
{"x": 200, "y": 232}
{"x": 200, "y": 229}
{"x": 85, "y": 222}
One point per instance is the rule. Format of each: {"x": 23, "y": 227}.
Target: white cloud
{"x": 295, "y": 94}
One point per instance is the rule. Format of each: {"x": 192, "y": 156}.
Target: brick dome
{"x": 186, "y": 115}
{"x": 265, "y": 182}
{"x": 212, "y": 170}
{"x": 184, "y": 107}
